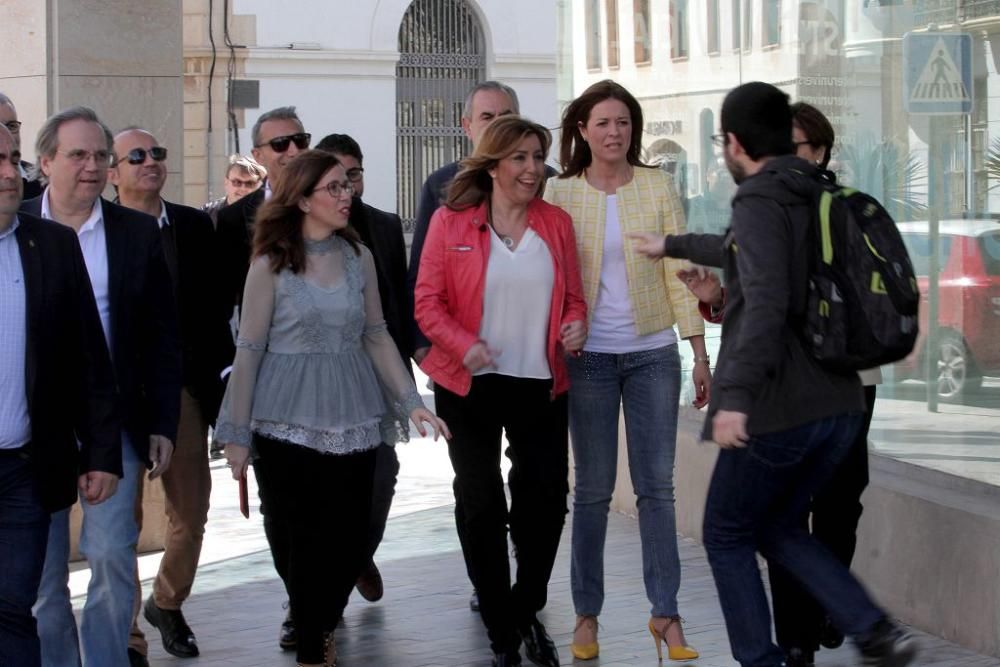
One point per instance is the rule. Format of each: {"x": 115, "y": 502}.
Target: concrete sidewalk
{"x": 424, "y": 617}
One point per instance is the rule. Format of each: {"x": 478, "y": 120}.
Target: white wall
{"x": 347, "y": 84}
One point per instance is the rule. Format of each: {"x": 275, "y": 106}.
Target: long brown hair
{"x": 473, "y": 183}
{"x": 278, "y": 227}
{"x": 574, "y": 153}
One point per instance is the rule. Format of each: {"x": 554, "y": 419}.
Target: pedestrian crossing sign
{"x": 938, "y": 72}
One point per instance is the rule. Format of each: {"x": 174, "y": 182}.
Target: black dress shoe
{"x": 506, "y": 659}
{"x": 474, "y": 600}
{"x": 288, "y": 638}
{"x": 829, "y": 635}
{"x": 178, "y": 639}
{"x": 799, "y": 657}
{"x": 538, "y": 646}
{"x": 136, "y": 659}
{"x": 369, "y": 584}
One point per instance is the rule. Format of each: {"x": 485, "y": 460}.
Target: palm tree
{"x": 893, "y": 176}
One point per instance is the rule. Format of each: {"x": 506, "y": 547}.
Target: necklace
{"x": 508, "y": 241}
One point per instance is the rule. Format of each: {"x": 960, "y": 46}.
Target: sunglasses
{"x": 138, "y": 155}
{"x": 280, "y": 144}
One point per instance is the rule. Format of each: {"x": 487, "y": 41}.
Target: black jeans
{"x": 318, "y": 511}
{"x": 537, "y": 431}
{"x": 24, "y": 533}
{"x": 835, "y": 511}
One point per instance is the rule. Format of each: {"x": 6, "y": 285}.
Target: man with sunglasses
{"x": 123, "y": 252}
{"x": 139, "y": 173}
{"x": 277, "y": 137}
{"x": 8, "y": 118}
{"x": 382, "y": 232}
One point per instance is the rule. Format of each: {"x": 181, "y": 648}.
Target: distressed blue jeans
{"x": 646, "y": 385}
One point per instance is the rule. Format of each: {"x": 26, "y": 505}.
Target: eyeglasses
{"x": 336, "y": 189}
{"x": 720, "y": 139}
{"x": 13, "y": 125}
{"x": 238, "y": 183}
{"x": 138, "y": 155}
{"x": 356, "y": 174}
{"x": 80, "y": 156}
{"x": 280, "y": 144}
{"x": 803, "y": 143}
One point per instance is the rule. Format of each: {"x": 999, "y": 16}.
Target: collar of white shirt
{"x": 96, "y": 213}
{"x": 267, "y": 190}
{"x": 163, "y": 219}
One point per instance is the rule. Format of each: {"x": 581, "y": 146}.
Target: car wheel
{"x": 956, "y": 371}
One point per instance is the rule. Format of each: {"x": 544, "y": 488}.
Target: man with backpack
{"x": 783, "y": 419}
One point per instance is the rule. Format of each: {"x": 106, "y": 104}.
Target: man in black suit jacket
{"x": 277, "y": 137}
{"x": 53, "y": 358}
{"x": 123, "y": 252}
{"x": 189, "y": 245}
{"x": 382, "y": 232}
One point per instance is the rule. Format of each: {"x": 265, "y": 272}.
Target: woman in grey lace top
{"x": 317, "y": 384}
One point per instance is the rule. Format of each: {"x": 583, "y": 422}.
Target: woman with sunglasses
{"x": 630, "y": 361}
{"x": 316, "y": 386}
{"x": 498, "y": 295}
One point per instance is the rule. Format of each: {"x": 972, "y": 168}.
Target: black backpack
{"x": 863, "y": 296}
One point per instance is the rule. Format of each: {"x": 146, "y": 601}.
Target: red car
{"x": 967, "y": 345}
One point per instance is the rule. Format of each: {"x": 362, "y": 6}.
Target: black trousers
{"x": 835, "y": 514}
{"x": 537, "y": 431}
{"x": 317, "y": 521}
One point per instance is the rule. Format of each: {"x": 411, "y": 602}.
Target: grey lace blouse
{"x": 315, "y": 365}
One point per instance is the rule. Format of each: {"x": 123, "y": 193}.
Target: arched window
{"x": 442, "y": 55}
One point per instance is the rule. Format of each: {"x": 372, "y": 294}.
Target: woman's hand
{"x": 421, "y": 415}
{"x": 480, "y": 356}
{"x": 703, "y": 283}
{"x": 238, "y": 459}
{"x": 648, "y": 244}
{"x": 573, "y": 335}
{"x": 701, "y": 375}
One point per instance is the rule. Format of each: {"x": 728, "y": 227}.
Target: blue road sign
{"x": 937, "y": 69}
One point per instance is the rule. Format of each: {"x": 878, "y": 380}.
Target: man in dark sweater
{"x": 783, "y": 421}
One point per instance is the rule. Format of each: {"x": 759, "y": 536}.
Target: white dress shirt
{"x": 93, "y": 242}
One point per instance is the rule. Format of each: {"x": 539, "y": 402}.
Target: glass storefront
{"x": 878, "y": 69}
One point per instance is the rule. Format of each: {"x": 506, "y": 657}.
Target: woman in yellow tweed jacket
{"x": 630, "y": 359}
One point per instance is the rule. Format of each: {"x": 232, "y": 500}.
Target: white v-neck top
{"x": 516, "y": 303}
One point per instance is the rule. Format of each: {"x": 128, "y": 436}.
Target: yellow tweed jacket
{"x": 649, "y": 203}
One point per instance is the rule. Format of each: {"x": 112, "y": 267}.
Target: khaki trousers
{"x": 187, "y": 485}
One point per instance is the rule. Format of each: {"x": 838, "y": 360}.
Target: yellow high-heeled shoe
{"x": 585, "y": 650}
{"x": 673, "y": 652}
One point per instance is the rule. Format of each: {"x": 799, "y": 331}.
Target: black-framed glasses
{"x": 138, "y": 155}
{"x": 80, "y": 156}
{"x": 13, "y": 125}
{"x": 281, "y": 144}
{"x": 720, "y": 139}
{"x": 337, "y": 188}
{"x": 356, "y": 174}
{"x": 240, "y": 183}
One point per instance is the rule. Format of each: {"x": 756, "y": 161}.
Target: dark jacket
{"x": 206, "y": 340}
{"x": 382, "y": 232}
{"x": 763, "y": 368}
{"x": 70, "y": 385}
{"x": 234, "y": 226}
{"x": 145, "y": 351}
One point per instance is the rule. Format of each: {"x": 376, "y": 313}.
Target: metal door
{"x": 442, "y": 56}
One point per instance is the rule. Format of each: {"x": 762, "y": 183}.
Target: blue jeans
{"x": 647, "y": 385}
{"x": 24, "y": 529}
{"x": 107, "y": 540}
{"x": 756, "y": 501}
